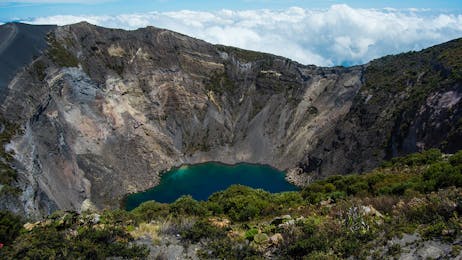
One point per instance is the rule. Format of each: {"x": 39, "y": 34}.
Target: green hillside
{"x": 419, "y": 195}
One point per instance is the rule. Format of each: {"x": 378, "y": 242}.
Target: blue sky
{"x": 22, "y": 9}
{"x": 320, "y": 32}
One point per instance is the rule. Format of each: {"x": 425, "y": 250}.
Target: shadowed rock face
{"x": 408, "y": 103}
{"x": 104, "y": 111}
{"x": 19, "y": 44}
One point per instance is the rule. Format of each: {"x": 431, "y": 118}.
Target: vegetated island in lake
{"x": 201, "y": 180}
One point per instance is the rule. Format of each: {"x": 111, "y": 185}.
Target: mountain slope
{"x": 408, "y": 103}
{"x": 19, "y": 44}
{"x": 104, "y": 111}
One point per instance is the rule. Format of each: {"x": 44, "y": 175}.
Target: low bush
{"x": 187, "y": 206}
{"x": 150, "y": 210}
{"x": 419, "y": 193}
{"x": 203, "y": 230}
{"x": 10, "y": 226}
{"x": 67, "y": 237}
{"x": 242, "y": 203}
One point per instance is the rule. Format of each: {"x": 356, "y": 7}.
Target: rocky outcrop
{"x": 408, "y": 103}
{"x": 413, "y": 246}
{"x": 104, "y": 111}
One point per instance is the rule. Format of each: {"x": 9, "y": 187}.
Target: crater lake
{"x": 202, "y": 180}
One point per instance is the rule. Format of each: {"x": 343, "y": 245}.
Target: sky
{"x": 320, "y": 32}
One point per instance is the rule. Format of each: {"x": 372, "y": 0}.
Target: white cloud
{"x": 338, "y": 35}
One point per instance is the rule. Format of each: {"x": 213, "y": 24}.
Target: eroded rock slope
{"x": 102, "y": 112}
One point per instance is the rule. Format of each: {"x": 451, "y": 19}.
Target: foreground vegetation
{"x": 7, "y": 173}
{"x": 342, "y": 216}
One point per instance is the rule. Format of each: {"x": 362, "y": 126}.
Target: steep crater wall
{"x": 110, "y": 109}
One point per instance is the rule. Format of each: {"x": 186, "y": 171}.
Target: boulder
{"x": 276, "y": 239}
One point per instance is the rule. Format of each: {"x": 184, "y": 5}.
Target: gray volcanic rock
{"x": 408, "y": 103}
{"x": 104, "y": 111}
{"x": 19, "y": 45}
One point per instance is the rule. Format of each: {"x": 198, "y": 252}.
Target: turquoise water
{"x": 201, "y": 180}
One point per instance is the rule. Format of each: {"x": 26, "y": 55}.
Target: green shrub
{"x": 10, "y": 226}
{"x": 434, "y": 230}
{"x": 249, "y": 234}
{"x": 456, "y": 159}
{"x": 186, "y": 205}
{"x": 7, "y": 174}
{"x": 416, "y": 159}
{"x": 337, "y": 195}
{"x": 323, "y": 190}
{"x": 307, "y": 245}
{"x": 116, "y": 216}
{"x": 288, "y": 199}
{"x": 260, "y": 238}
{"x": 313, "y": 197}
{"x": 400, "y": 188}
{"x": 227, "y": 248}
{"x": 214, "y": 207}
{"x": 49, "y": 242}
{"x": 347, "y": 246}
{"x": 150, "y": 210}
{"x": 306, "y": 237}
{"x": 441, "y": 175}
{"x": 242, "y": 203}
{"x": 203, "y": 229}
{"x": 357, "y": 187}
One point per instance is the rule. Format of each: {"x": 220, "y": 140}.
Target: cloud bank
{"x": 340, "y": 35}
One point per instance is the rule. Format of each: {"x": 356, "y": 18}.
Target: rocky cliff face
{"x": 102, "y": 112}
{"x": 407, "y": 103}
